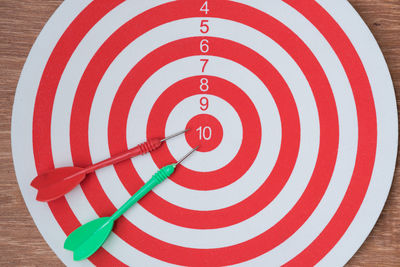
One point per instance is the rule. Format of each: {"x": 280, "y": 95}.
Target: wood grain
{"x": 20, "y": 242}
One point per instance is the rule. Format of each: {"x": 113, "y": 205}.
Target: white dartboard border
{"x": 370, "y": 55}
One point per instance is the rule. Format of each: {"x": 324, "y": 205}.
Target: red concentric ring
{"x": 367, "y": 142}
{"x": 89, "y": 192}
{"x": 367, "y": 129}
{"x": 280, "y": 173}
{"x": 158, "y": 119}
{"x": 55, "y": 66}
{"x": 251, "y": 132}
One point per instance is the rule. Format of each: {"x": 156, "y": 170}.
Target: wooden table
{"x": 21, "y": 243}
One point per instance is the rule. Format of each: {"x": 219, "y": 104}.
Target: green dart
{"x": 88, "y": 238}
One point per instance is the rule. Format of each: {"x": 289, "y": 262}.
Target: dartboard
{"x": 291, "y": 102}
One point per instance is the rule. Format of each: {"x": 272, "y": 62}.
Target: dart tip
{"x": 175, "y": 135}
{"x": 186, "y": 156}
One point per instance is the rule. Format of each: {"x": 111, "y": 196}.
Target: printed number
{"x": 204, "y": 85}
{"x": 204, "y": 103}
{"x": 204, "y": 8}
{"x": 204, "y": 28}
{"x": 204, "y": 47}
{"x": 204, "y": 65}
{"x": 204, "y": 133}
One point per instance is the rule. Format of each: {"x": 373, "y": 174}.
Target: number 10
{"x": 204, "y": 133}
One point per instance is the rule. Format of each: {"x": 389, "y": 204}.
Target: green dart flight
{"x": 88, "y": 238}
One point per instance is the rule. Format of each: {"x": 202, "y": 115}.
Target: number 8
{"x": 204, "y": 85}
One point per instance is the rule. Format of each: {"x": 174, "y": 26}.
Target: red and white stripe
{"x": 302, "y": 93}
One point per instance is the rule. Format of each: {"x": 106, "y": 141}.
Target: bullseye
{"x": 206, "y": 132}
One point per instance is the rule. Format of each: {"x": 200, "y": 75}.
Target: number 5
{"x": 204, "y": 28}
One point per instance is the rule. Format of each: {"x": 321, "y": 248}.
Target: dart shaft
{"x": 157, "y": 178}
{"x": 138, "y": 150}
{"x": 175, "y": 135}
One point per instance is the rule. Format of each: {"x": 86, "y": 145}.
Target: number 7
{"x": 205, "y": 64}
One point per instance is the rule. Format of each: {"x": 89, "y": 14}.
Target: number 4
{"x": 204, "y": 8}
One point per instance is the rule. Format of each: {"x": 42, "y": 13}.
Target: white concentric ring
{"x": 258, "y": 172}
{"x": 76, "y": 66}
{"x": 230, "y": 143}
{"x": 97, "y": 133}
{"x": 387, "y": 121}
{"x": 387, "y": 133}
{"x": 21, "y": 125}
{"x": 347, "y": 127}
{"x": 274, "y": 54}
{"x": 111, "y": 180}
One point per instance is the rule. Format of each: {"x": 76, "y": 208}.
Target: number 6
{"x": 204, "y": 48}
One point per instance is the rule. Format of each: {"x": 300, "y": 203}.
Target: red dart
{"x": 56, "y": 183}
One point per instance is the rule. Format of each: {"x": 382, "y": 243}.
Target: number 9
{"x": 204, "y": 103}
